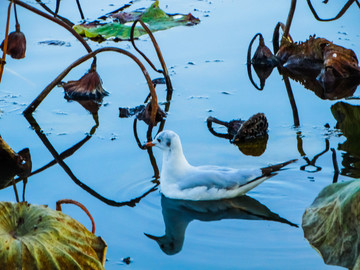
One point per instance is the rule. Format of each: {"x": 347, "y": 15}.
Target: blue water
{"x": 207, "y": 64}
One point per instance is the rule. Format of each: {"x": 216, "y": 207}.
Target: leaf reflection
{"x": 331, "y": 224}
{"x": 177, "y": 215}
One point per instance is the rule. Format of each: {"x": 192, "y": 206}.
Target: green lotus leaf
{"x": 332, "y": 224}
{"x": 155, "y": 18}
{"x": 36, "y": 237}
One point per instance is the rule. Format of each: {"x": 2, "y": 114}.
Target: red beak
{"x": 149, "y": 144}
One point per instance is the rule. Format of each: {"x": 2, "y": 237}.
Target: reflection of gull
{"x": 180, "y": 180}
{"x": 178, "y": 214}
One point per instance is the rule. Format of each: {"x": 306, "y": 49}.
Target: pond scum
{"x": 28, "y": 231}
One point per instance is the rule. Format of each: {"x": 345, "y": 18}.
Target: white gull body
{"x": 180, "y": 180}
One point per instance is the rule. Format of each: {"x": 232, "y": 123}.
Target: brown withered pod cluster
{"x": 249, "y": 136}
{"x": 329, "y": 70}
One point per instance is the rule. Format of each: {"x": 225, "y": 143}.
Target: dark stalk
{"x": 16, "y": 17}
{"x": 290, "y": 18}
{"x": 53, "y": 13}
{"x": 336, "y": 167}
{"x": 164, "y": 70}
{"x": 292, "y": 101}
{"x": 339, "y": 15}
{"x": 248, "y": 62}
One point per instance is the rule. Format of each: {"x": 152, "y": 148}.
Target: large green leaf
{"x": 155, "y": 18}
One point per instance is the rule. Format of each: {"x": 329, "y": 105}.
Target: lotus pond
{"x": 99, "y": 163}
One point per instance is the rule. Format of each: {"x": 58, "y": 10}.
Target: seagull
{"x": 180, "y": 180}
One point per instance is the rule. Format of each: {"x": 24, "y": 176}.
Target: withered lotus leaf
{"x": 119, "y": 28}
{"x": 331, "y": 224}
{"x": 36, "y": 237}
{"x": 88, "y": 87}
{"x": 317, "y": 55}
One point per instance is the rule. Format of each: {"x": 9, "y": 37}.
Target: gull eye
{"x": 168, "y": 143}
{"x": 158, "y": 140}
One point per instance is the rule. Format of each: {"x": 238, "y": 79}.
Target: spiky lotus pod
{"x": 37, "y": 237}
{"x": 16, "y": 46}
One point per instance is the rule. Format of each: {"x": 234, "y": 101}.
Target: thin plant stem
{"x": 248, "y": 64}
{"x": 56, "y": 81}
{"x": 80, "y": 10}
{"x": 164, "y": 70}
{"x": 16, "y": 17}
{"x": 2, "y": 62}
{"x": 290, "y": 18}
{"x": 69, "y": 201}
{"x": 339, "y": 15}
{"x": 53, "y": 13}
{"x": 336, "y": 167}
{"x": 292, "y": 101}
{"x": 15, "y": 189}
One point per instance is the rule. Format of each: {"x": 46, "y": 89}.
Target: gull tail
{"x": 269, "y": 170}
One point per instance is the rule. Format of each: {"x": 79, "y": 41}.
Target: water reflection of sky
{"x": 113, "y": 165}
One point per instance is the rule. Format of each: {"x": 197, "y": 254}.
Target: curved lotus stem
{"x": 290, "y": 18}
{"x": 164, "y": 70}
{"x": 2, "y": 60}
{"x": 248, "y": 62}
{"x": 69, "y": 201}
{"x": 339, "y": 15}
{"x": 276, "y": 43}
{"x": 84, "y": 58}
{"x": 78, "y": 5}
{"x": 52, "y": 13}
{"x": 55, "y": 20}
{"x": 210, "y": 120}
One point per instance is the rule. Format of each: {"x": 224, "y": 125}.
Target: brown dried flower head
{"x": 16, "y": 46}
{"x": 88, "y": 87}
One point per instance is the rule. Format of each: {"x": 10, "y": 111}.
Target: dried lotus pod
{"x": 16, "y": 46}
{"x": 36, "y": 237}
{"x": 255, "y": 127}
{"x": 250, "y": 136}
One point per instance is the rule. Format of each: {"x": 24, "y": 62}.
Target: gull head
{"x": 167, "y": 140}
